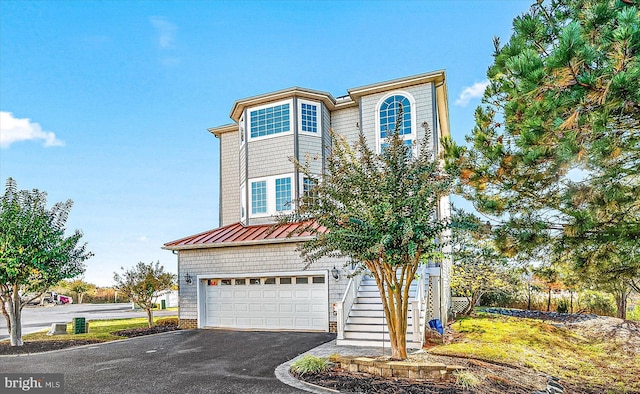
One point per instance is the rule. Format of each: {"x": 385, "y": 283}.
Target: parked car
{"x": 49, "y": 298}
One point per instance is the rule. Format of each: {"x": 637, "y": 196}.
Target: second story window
{"x": 283, "y": 194}
{"x": 270, "y": 120}
{"x": 270, "y": 195}
{"x": 308, "y": 193}
{"x": 258, "y": 197}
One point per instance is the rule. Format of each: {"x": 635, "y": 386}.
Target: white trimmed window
{"x": 308, "y": 185}
{"x": 395, "y": 109}
{"x": 283, "y": 194}
{"x": 269, "y": 120}
{"x": 270, "y": 195}
{"x": 259, "y": 197}
{"x": 310, "y": 117}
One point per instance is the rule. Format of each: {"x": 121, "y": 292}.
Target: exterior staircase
{"x": 364, "y": 323}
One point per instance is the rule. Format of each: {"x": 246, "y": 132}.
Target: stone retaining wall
{"x": 395, "y": 369}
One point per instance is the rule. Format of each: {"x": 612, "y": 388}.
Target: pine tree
{"x": 555, "y": 153}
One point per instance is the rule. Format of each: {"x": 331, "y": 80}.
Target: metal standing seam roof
{"x": 237, "y": 234}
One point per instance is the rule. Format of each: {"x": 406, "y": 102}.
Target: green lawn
{"x": 545, "y": 348}
{"x": 98, "y": 330}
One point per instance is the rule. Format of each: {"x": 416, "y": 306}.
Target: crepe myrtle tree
{"x": 380, "y": 211}
{"x": 35, "y": 253}
{"x": 142, "y": 283}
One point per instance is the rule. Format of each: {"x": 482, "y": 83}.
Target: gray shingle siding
{"x": 229, "y": 179}
{"x": 345, "y": 121}
{"x": 312, "y": 146}
{"x": 270, "y": 156}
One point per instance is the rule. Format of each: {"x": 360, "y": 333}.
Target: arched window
{"x": 390, "y": 109}
{"x": 397, "y": 108}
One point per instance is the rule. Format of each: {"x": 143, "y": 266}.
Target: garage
{"x": 288, "y": 301}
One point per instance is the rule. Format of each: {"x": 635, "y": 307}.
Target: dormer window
{"x": 394, "y": 108}
{"x": 268, "y": 120}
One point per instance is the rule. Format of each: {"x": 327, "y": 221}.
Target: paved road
{"x": 189, "y": 361}
{"x": 38, "y": 318}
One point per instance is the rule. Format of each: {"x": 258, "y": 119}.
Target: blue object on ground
{"x": 436, "y": 325}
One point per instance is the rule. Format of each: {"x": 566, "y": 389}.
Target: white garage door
{"x": 271, "y": 303}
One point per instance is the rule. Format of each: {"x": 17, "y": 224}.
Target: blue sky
{"x": 107, "y": 102}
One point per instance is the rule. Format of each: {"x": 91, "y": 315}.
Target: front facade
{"x": 242, "y": 275}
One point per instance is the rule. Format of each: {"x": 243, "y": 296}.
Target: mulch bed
{"x": 45, "y": 346}
{"x": 41, "y": 346}
{"x": 354, "y": 382}
{"x": 138, "y": 332}
{"x": 350, "y": 382}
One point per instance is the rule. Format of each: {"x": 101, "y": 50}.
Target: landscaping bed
{"x": 100, "y": 331}
{"x": 137, "y": 332}
{"x": 42, "y": 346}
{"x": 508, "y": 354}
{"x": 479, "y": 377}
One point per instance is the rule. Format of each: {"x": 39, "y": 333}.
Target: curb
{"x": 283, "y": 375}
{"x": 97, "y": 344}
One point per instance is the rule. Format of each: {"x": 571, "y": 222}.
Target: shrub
{"x": 466, "y": 379}
{"x": 167, "y": 321}
{"x": 597, "y": 303}
{"x": 634, "y": 314}
{"x": 563, "y": 306}
{"x": 500, "y": 299}
{"x": 309, "y": 364}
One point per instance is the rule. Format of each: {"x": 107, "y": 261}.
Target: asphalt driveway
{"x": 189, "y": 361}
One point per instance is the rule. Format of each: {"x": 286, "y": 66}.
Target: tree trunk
{"x": 571, "y": 304}
{"x": 150, "y": 317}
{"x": 469, "y": 308}
{"x": 5, "y": 313}
{"x": 394, "y": 296}
{"x": 621, "y": 304}
{"x": 80, "y": 296}
{"x": 549, "y": 301}
{"x": 15, "y": 310}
